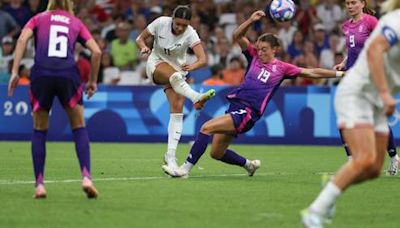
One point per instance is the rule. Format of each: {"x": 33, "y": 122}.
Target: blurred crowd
{"x": 312, "y": 39}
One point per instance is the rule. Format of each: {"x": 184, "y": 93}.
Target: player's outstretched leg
{"x": 232, "y": 158}
{"x": 204, "y": 98}
{"x": 394, "y": 157}
{"x": 197, "y": 150}
{"x": 346, "y": 147}
{"x": 82, "y": 149}
{"x": 38, "y": 149}
{"x": 180, "y": 86}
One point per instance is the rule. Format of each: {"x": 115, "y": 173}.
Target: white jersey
{"x": 169, "y": 47}
{"x": 359, "y": 76}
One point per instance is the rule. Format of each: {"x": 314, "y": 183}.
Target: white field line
{"x": 21, "y": 182}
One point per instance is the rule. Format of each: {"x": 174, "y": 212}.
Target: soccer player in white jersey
{"x": 363, "y": 101}
{"x": 167, "y": 66}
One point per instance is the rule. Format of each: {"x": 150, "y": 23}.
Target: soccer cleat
{"x": 311, "y": 219}
{"x": 170, "y": 161}
{"x": 332, "y": 209}
{"x": 204, "y": 98}
{"x": 40, "y": 192}
{"x": 394, "y": 165}
{"x": 175, "y": 172}
{"x": 89, "y": 189}
{"x": 252, "y": 167}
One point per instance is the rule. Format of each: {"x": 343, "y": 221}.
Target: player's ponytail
{"x": 367, "y": 9}
{"x": 183, "y": 12}
{"x": 390, "y": 5}
{"x": 271, "y": 39}
{"x": 66, "y": 5}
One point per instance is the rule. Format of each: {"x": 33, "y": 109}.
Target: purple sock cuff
{"x": 78, "y": 129}
{"x": 203, "y": 137}
{"x": 43, "y": 132}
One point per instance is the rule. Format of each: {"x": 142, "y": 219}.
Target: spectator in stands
{"x": 140, "y": 24}
{"x": 327, "y": 57}
{"x": 8, "y": 26}
{"x": 286, "y": 33}
{"x": 295, "y": 48}
{"x": 109, "y": 31}
{"x": 6, "y": 55}
{"x": 222, "y": 52}
{"x": 329, "y": 13}
{"x": 321, "y": 39}
{"x": 34, "y": 7}
{"x": 234, "y": 73}
{"x": 18, "y": 11}
{"x": 108, "y": 74}
{"x": 306, "y": 16}
{"x": 123, "y": 50}
{"x": 216, "y": 78}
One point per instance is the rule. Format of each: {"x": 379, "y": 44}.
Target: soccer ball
{"x": 282, "y": 10}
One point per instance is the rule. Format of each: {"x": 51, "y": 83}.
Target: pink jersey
{"x": 356, "y": 34}
{"x": 56, "y": 33}
{"x": 262, "y": 80}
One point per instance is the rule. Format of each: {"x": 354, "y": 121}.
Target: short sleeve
{"x": 154, "y": 26}
{"x": 250, "y": 52}
{"x": 193, "y": 38}
{"x": 32, "y": 23}
{"x": 390, "y": 29}
{"x": 372, "y": 22}
{"x": 84, "y": 33}
{"x": 290, "y": 70}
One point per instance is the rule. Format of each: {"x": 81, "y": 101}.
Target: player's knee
{"x": 375, "y": 171}
{"x": 175, "y": 78}
{"x": 362, "y": 165}
{"x": 206, "y": 129}
{"x": 215, "y": 155}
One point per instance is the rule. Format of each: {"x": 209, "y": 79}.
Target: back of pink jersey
{"x": 56, "y": 33}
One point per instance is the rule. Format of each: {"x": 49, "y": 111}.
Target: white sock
{"x": 349, "y": 158}
{"x": 326, "y": 199}
{"x": 247, "y": 165}
{"x": 187, "y": 166}
{"x": 174, "y": 132}
{"x": 180, "y": 86}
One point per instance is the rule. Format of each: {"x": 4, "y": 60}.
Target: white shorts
{"x": 357, "y": 106}
{"x": 153, "y": 61}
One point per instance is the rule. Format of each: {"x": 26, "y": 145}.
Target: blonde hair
{"x": 390, "y": 5}
{"x": 66, "y": 5}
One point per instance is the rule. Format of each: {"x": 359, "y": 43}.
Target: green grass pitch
{"x": 134, "y": 192}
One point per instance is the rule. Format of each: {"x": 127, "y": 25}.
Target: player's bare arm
{"x": 320, "y": 73}
{"x": 23, "y": 39}
{"x": 141, "y": 41}
{"x": 240, "y": 32}
{"x": 201, "y": 59}
{"x": 95, "y": 59}
{"x": 375, "y": 62}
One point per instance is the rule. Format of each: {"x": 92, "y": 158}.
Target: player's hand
{"x": 257, "y": 15}
{"x": 389, "y": 103}
{"x": 145, "y": 51}
{"x": 12, "y": 84}
{"x": 91, "y": 89}
{"x": 186, "y": 67}
{"x": 339, "y": 66}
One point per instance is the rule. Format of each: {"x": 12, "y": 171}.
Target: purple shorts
{"x": 244, "y": 117}
{"x": 44, "y": 89}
